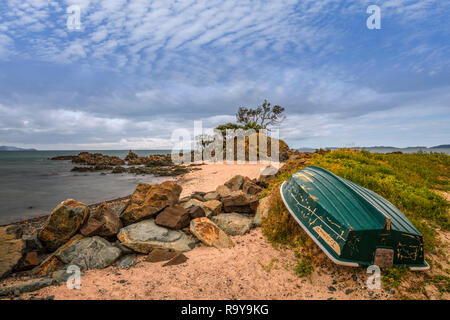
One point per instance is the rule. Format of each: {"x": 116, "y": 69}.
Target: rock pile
{"x": 154, "y": 221}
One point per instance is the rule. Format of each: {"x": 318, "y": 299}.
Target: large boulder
{"x": 148, "y": 200}
{"x": 11, "y": 253}
{"x": 233, "y": 223}
{"x": 223, "y": 191}
{"x": 212, "y": 208}
{"x": 63, "y": 223}
{"x": 173, "y": 217}
{"x": 102, "y": 222}
{"x": 146, "y": 235}
{"x": 262, "y": 211}
{"x": 235, "y": 183}
{"x": 210, "y": 234}
{"x": 89, "y": 253}
{"x": 239, "y": 202}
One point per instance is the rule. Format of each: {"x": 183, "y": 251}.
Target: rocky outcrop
{"x": 239, "y": 202}
{"x": 89, "y": 253}
{"x": 146, "y": 235}
{"x": 131, "y": 156}
{"x": 148, "y": 200}
{"x": 64, "y": 222}
{"x": 173, "y": 217}
{"x": 102, "y": 222}
{"x": 210, "y": 234}
{"x": 233, "y": 223}
{"x": 97, "y": 159}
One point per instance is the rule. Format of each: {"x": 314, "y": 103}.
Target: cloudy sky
{"x": 137, "y": 70}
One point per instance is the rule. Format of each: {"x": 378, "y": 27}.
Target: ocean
{"x": 31, "y": 185}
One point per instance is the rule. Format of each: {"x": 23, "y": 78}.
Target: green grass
{"x": 392, "y": 277}
{"x": 304, "y": 267}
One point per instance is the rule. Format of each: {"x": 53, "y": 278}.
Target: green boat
{"x": 352, "y": 225}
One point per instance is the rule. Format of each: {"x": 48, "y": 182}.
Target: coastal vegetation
{"x": 412, "y": 182}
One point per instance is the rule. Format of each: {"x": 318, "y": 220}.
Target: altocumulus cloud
{"x": 137, "y": 70}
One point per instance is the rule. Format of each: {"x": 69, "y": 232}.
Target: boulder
{"x": 250, "y": 187}
{"x": 11, "y": 253}
{"x": 102, "y": 222}
{"x": 158, "y": 255}
{"x": 63, "y": 223}
{"x": 233, "y": 223}
{"x": 211, "y": 196}
{"x": 127, "y": 261}
{"x": 89, "y": 253}
{"x": 235, "y": 183}
{"x": 173, "y": 217}
{"x": 196, "y": 212}
{"x": 146, "y": 235}
{"x": 192, "y": 202}
{"x": 212, "y": 208}
{"x": 52, "y": 263}
{"x": 239, "y": 202}
{"x": 262, "y": 211}
{"x": 148, "y": 200}
{"x": 223, "y": 191}
{"x": 210, "y": 234}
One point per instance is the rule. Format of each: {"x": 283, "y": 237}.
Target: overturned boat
{"x": 352, "y": 225}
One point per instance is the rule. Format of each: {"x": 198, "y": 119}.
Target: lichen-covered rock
{"x": 210, "y": 234}
{"x": 90, "y": 253}
{"x": 173, "y": 217}
{"x": 11, "y": 252}
{"x": 102, "y": 222}
{"x": 233, "y": 223}
{"x": 148, "y": 200}
{"x": 145, "y": 236}
{"x": 212, "y": 208}
{"x": 63, "y": 223}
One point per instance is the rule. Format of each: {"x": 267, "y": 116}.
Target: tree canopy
{"x": 261, "y": 117}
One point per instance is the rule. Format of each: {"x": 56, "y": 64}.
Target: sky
{"x": 137, "y": 70}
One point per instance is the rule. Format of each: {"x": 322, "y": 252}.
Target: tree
{"x": 261, "y": 117}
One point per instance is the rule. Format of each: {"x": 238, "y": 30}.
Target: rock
{"x": 192, "y": 202}
{"x": 198, "y": 195}
{"x": 11, "y": 252}
{"x": 212, "y": 208}
{"x": 348, "y": 291}
{"x": 127, "y": 261}
{"x": 211, "y": 196}
{"x": 63, "y": 223}
{"x": 174, "y": 217}
{"x": 26, "y": 287}
{"x": 158, "y": 255}
{"x": 90, "y": 253}
{"x": 262, "y": 211}
{"x": 233, "y": 223}
{"x": 235, "y": 183}
{"x": 102, "y": 222}
{"x": 239, "y": 202}
{"x": 52, "y": 263}
{"x": 223, "y": 191}
{"x": 131, "y": 156}
{"x": 178, "y": 259}
{"x": 196, "y": 212}
{"x": 331, "y": 288}
{"x": 250, "y": 187}
{"x": 145, "y": 236}
{"x": 11, "y": 232}
{"x": 148, "y": 200}
{"x": 125, "y": 250}
{"x": 210, "y": 234}
{"x": 29, "y": 261}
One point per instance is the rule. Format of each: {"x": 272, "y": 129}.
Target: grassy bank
{"x": 409, "y": 181}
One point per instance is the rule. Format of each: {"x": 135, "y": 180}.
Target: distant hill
{"x": 8, "y": 148}
{"x": 441, "y": 146}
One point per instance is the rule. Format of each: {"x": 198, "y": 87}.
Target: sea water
{"x": 31, "y": 185}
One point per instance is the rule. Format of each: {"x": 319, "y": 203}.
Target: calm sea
{"x": 31, "y": 185}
